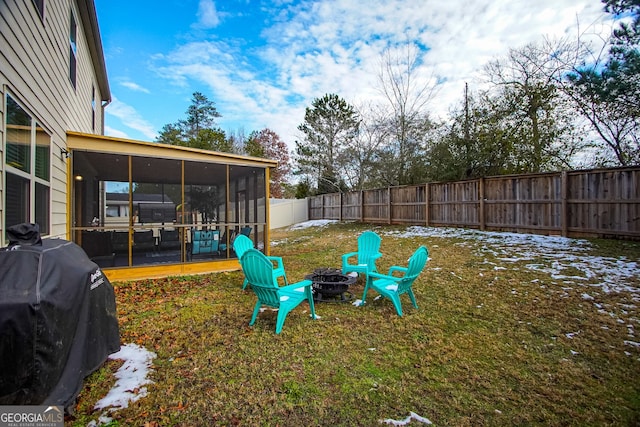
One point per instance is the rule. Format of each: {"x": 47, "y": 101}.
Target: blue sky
{"x": 263, "y": 61}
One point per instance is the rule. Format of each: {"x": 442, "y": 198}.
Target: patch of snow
{"x": 279, "y": 242}
{"x": 412, "y": 416}
{"x": 563, "y": 258}
{"x": 130, "y": 378}
{"x": 102, "y": 420}
{"x": 312, "y": 223}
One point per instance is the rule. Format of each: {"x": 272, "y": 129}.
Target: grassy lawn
{"x": 500, "y": 338}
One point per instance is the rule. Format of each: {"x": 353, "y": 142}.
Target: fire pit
{"x": 330, "y": 285}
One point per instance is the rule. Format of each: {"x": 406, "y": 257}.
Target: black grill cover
{"x": 57, "y": 319}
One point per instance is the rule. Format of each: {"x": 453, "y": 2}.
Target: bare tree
{"x": 362, "y": 156}
{"x": 408, "y": 89}
{"x": 527, "y": 82}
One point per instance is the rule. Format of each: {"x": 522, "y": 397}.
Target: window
{"x": 27, "y": 164}
{"x": 39, "y": 4}
{"x": 73, "y": 49}
{"x": 117, "y": 211}
{"x": 113, "y": 212}
{"x": 93, "y": 108}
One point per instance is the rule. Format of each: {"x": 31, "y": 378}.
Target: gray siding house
{"x": 57, "y": 167}
{"x": 52, "y": 79}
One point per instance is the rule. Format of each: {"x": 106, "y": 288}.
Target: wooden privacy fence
{"x": 603, "y": 203}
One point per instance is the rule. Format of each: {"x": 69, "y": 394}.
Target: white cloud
{"x": 130, "y": 118}
{"x": 134, "y": 86}
{"x": 208, "y": 16}
{"x": 332, "y": 46}
{"x": 117, "y": 133}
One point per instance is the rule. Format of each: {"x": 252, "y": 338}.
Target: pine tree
{"x": 329, "y": 126}
{"x": 199, "y": 129}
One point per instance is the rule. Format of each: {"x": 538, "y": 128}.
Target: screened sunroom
{"x": 144, "y": 210}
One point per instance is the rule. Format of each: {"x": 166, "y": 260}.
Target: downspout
{"x": 104, "y": 105}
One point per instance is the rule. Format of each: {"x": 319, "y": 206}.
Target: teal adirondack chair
{"x": 242, "y": 243}
{"x": 391, "y": 286}
{"x": 366, "y": 256}
{"x": 259, "y": 271}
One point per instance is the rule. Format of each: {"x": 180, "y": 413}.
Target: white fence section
{"x": 286, "y": 212}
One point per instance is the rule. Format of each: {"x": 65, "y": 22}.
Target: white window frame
{"x": 30, "y": 176}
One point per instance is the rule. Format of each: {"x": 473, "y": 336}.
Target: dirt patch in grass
{"x": 493, "y": 342}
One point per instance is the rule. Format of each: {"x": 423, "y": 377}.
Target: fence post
{"x": 389, "y": 204}
{"x": 361, "y": 205}
{"x": 564, "y": 206}
{"x": 481, "y": 218}
{"x": 426, "y": 203}
{"x": 341, "y": 201}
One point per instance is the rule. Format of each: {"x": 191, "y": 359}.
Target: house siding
{"x": 34, "y": 69}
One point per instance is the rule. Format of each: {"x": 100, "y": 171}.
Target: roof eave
{"x": 89, "y": 17}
